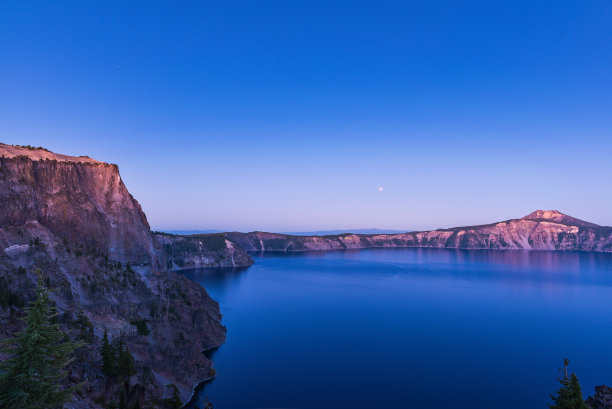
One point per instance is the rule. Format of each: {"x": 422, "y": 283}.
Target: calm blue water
{"x": 410, "y": 328}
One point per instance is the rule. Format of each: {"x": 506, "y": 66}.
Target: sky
{"x": 292, "y": 115}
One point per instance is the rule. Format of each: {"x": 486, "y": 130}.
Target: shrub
{"x": 141, "y": 326}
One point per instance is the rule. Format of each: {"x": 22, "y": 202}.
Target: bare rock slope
{"x": 73, "y": 218}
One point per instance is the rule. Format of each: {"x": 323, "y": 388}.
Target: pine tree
{"x": 569, "y": 395}
{"x": 108, "y": 357}
{"x": 125, "y": 360}
{"x": 175, "y": 400}
{"x": 31, "y": 377}
{"x": 122, "y": 404}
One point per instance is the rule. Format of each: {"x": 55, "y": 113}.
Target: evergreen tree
{"x": 125, "y": 360}
{"x": 108, "y": 357}
{"x": 175, "y": 400}
{"x": 122, "y": 404}
{"x": 31, "y": 377}
{"x": 117, "y": 359}
{"x": 569, "y": 395}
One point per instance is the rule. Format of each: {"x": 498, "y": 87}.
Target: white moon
{"x": 380, "y": 189}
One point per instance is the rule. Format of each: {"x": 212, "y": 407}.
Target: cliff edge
{"x": 72, "y": 219}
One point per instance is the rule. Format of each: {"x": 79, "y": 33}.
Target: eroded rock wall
{"x": 73, "y": 220}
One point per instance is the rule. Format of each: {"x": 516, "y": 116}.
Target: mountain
{"x": 540, "y": 230}
{"x": 72, "y": 219}
{"x": 557, "y": 217}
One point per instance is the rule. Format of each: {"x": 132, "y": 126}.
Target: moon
{"x": 380, "y": 188}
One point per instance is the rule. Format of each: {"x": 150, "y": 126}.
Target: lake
{"x": 410, "y": 328}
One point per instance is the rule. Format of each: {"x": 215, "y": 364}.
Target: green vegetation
{"x": 189, "y": 245}
{"x": 38, "y": 356}
{"x": 117, "y": 360}
{"x": 85, "y": 328}
{"x": 9, "y": 298}
{"x": 174, "y": 402}
{"x": 33, "y": 148}
{"x": 141, "y": 326}
{"x": 163, "y": 233}
{"x": 211, "y": 241}
{"x": 108, "y": 356}
{"x": 37, "y": 244}
{"x": 569, "y": 395}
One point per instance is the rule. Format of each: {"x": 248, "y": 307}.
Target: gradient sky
{"x": 289, "y": 115}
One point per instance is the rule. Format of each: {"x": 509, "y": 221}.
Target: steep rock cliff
{"x": 78, "y": 199}
{"x": 74, "y": 220}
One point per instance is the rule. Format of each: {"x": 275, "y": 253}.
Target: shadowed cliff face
{"x": 78, "y": 199}
{"x": 541, "y": 230}
{"x": 73, "y": 219}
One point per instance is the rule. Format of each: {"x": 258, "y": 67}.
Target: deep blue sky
{"x": 289, "y": 115}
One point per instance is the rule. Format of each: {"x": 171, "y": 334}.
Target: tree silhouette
{"x": 569, "y": 395}
{"x": 174, "y": 402}
{"x": 108, "y": 357}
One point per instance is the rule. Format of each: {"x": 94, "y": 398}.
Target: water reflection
{"x": 503, "y": 265}
{"x": 217, "y": 281}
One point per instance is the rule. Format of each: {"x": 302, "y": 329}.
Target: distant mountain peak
{"x": 545, "y": 214}
{"x": 557, "y": 217}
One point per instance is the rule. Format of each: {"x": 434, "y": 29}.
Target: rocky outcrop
{"x": 78, "y": 199}
{"x": 201, "y": 251}
{"x": 602, "y": 398}
{"x": 540, "y": 230}
{"x": 73, "y": 220}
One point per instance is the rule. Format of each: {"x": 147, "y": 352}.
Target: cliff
{"x": 201, "y": 251}
{"x": 78, "y": 199}
{"x": 73, "y": 219}
{"x": 540, "y": 230}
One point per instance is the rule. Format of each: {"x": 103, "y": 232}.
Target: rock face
{"x": 602, "y": 398}
{"x": 78, "y": 199}
{"x": 74, "y": 220}
{"x": 201, "y": 251}
{"x": 540, "y": 230}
